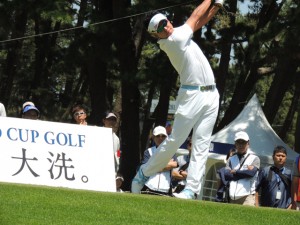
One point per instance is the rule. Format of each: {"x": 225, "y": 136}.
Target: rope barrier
{"x": 97, "y": 23}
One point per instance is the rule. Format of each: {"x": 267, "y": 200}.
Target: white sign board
{"x": 171, "y": 110}
{"x": 56, "y": 154}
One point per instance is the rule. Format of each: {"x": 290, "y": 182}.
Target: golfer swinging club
{"x": 197, "y": 100}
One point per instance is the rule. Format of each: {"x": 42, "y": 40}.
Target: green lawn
{"x": 25, "y": 204}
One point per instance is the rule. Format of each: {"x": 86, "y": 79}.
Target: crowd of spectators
{"x": 242, "y": 178}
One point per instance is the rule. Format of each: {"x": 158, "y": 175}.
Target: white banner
{"x": 56, "y": 154}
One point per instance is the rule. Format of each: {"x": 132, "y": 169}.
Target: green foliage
{"x": 55, "y": 70}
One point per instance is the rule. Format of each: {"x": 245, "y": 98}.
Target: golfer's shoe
{"x": 185, "y": 194}
{"x": 138, "y": 182}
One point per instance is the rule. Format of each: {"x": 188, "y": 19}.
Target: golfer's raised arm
{"x": 203, "y": 13}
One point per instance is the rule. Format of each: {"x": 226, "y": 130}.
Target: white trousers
{"x": 196, "y": 110}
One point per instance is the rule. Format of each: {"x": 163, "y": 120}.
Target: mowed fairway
{"x": 25, "y": 204}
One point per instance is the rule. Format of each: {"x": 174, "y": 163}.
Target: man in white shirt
{"x": 242, "y": 170}
{"x": 197, "y": 100}
{"x": 160, "y": 182}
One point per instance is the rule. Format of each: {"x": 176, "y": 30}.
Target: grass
{"x": 25, "y": 204}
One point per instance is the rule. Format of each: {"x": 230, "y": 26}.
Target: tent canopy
{"x": 263, "y": 138}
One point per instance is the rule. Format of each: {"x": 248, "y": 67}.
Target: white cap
{"x": 153, "y": 24}
{"x": 241, "y": 135}
{"x": 159, "y": 130}
{"x": 110, "y": 115}
{"x": 27, "y": 103}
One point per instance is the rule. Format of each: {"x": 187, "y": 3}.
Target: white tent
{"x": 263, "y": 139}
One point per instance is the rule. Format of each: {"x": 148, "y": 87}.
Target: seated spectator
{"x": 159, "y": 183}
{"x": 79, "y": 114}
{"x": 180, "y": 173}
{"x": 30, "y": 111}
{"x": 275, "y": 182}
{"x": 2, "y": 110}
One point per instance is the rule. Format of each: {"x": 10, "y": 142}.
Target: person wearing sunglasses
{"x": 160, "y": 182}
{"x": 197, "y": 100}
{"x": 241, "y": 171}
{"x": 79, "y": 114}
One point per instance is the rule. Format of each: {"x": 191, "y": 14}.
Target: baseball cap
{"x": 110, "y": 115}
{"x": 241, "y": 135}
{"x": 159, "y": 130}
{"x": 153, "y": 24}
{"x": 30, "y": 107}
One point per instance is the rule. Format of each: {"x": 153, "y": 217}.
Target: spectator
{"x": 79, "y": 114}
{"x": 222, "y": 194}
{"x": 110, "y": 121}
{"x": 296, "y": 185}
{"x": 159, "y": 183}
{"x": 2, "y": 110}
{"x": 180, "y": 173}
{"x": 275, "y": 182}
{"x": 27, "y": 103}
{"x": 30, "y": 111}
{"x": 241, "y": 172}
{"x": 168, "y": 128}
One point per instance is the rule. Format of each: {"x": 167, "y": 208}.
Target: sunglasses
{"x": 241, "y": 142}
{"x": 161, "y": 136}
{"x": 79, "y": 113}
{"x": 161, "y": 26}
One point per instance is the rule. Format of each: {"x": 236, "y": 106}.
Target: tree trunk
{"x": 12, "y": 59}
{"x": 297, "y": 132}
{"x": 98, "y": 56}
{"x": 148, "y": 121}
{"x": 290, "y": 116}
{"x": 97, "y": 75}
{"x": 164, "y": 97}
{"x": 128, "y": 54}
{"x": 249, "y": 74}
{"x": 69, "y": 95}
{"x": 226, "y": 43}
{"x": 284, "y": 77}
